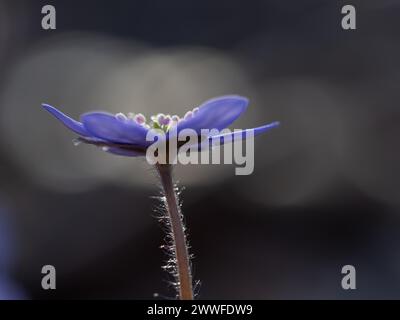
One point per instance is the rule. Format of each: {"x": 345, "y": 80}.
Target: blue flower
{"x": 126, "y": 134}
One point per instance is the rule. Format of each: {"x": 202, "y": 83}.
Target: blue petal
{"x": 217, "y": 113}
{"x": 70, "y": 123}
{"x": 106, "y": 126}
{"x": 124, "y": 152}
{"x": 221, "y": 139}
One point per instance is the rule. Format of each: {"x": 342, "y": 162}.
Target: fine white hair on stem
{"x": 176, "y": 247}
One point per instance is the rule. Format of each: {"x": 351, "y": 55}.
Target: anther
{"x": 140, "y": 118}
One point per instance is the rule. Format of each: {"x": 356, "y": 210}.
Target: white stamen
{"x": 188, "y": 115}
{"x": 121, "y": 116}
{"x": 174, "y": 121}
{"x": 131, "y": 115}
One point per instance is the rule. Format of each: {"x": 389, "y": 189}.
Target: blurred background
{"x": 326, "y": 187}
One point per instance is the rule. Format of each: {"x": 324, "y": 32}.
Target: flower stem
{"x": 180, "y": 246}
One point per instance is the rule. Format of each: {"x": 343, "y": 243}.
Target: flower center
{"x": 159, "y": 121}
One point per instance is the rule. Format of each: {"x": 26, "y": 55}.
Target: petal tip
{"x": 70, "y": 123}
{"x": 54, "y": 111}
{"x": 275, "y": 124}
{"x": 47, "y": 106}
{"x": 269, "y": 126}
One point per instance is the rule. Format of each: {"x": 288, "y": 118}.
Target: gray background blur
{"x": 325, "y": 191}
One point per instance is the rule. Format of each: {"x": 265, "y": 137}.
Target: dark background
{"x": 325, "y": 190}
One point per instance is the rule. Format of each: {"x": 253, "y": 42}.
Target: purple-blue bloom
{"x": 126, "y": 135}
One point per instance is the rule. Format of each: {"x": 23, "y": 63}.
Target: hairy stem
{"x": 180, "y": 247}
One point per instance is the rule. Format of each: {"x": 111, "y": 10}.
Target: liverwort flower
{"x": 125, "y": 135}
